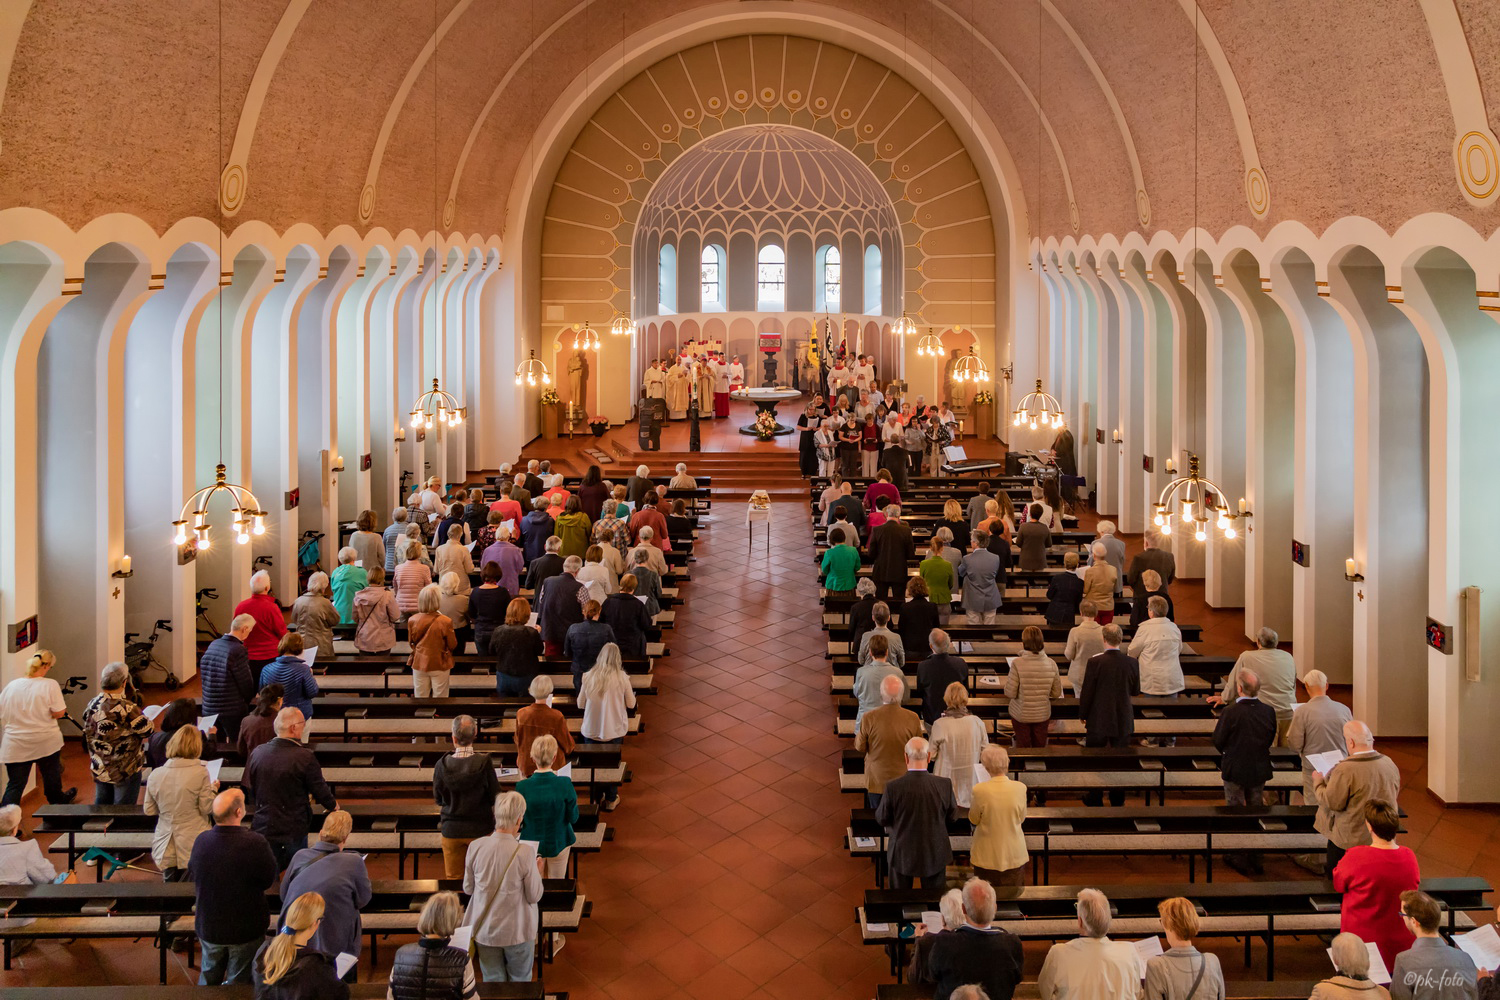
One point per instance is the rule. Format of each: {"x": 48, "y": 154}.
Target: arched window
{"x": 666, "y": 280}
{"x": 711, "y": 275}
{"x": 772, "y": 278}
{"x": 872, "y": 280}
{"x": 830, "y": 280}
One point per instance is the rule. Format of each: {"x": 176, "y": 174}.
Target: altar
{"x": 765, "y": 400}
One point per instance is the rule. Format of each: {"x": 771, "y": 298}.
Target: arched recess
{"x": 352, "y": 391}
{"x": 1437, "y": 293}
{"x": 1224, "y": 427}
{"x": 158, "y": 393}
{"x": 449, "y": 448}
{"x": 1323, "y": 518}
{"x": 1130, "y": 418}
{"x": 1270, "y": 405}
{"x": 317, "y": 439}
{"x": 1084, "y": 334}
{"x": 79, "y": 479}
{"x": 388, "y": 422}
{"x": 410, "y": 368}
{"x": 1389, "y": 497}
{"x": 1189, "y": 393}
{"x": 1105, "y": 390}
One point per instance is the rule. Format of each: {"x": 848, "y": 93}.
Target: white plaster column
{"x": 1187, "y": 406}
{"x": 1129, "y": 380}
{"x": 1105, "y": 388}
{"x": 1155, "y": 386}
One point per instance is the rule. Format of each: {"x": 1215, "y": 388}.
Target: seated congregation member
{"x": 1090, "y": 965}
{"x": 288, "y": 967}
{"x": 1351, "y": 978}
{"x": 1372, "y": 878}
{"x": 882, "y": 737}
{"x": 231, "y": 867}
{"x": 1182, "y": 972}
{"x": 551, "y": 810}
{"x": 21, "y": 861}
{"x": 1065, "y": 594}
{"x": 915, "y": 810}
{"x": 951, "y": 906}
{"x": 433, "y": 641}
{"x": 1363, "y": 776}
{"x": 868, "y": 678}
{"x": 1278, "y": 679}
{"x": 430, "y": 968}
{"x": 280, "y": 777}
{"x": 314, "y": 616}
{"x": 517, "y": 649}
{"x": 880, "y": 617}
{"x": 647, "y": 582}
{"x": 1430, "y": 969}
{"x": 626, "y": 616}
{"x": 1085, "y": 641}
{"x": 114, "y": 734}
{"x": 584, "y": 641}
{"x": 1031, "y": 684}
{"x": 840, "y": 566}
{"x": 1099, "y": 582}
{"x": 862, "y": 612}
{"x": 679, "y": 523}
{"x": 957, "y": 739}
{"x": 180, "y": 795}
{"x": 340, "y": 877}
{"x": 979, "y": 573}
{"x": 504, "y": 885}
{"x": 541, "y": 719}
{"x": 941, "y": 577}
{"x": 1034, "y": 539}
{"x": 559, "y": 605}
{"x": 937, "y": 672}
{"x": 919, "y": 616}
{"x": 638, "y": 485}
{"x": 998, "y": 809}
{"x": 1151, "y": 586}
{"x": 346, "y": 581}
{"x": 464, "y": 785}
{"x": 376, "y": 616}
{"x": 298, "y": 685}
{"x": 1104, "y": 705}
{"x": 507, "y": 555}
{"x": 978, "y": 952}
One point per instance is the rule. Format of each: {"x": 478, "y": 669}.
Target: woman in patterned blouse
{"x": 115, "y": 732}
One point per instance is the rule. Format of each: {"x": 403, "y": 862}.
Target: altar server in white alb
{"x": 736, "y": 374}
{"x": 721, "y": 386}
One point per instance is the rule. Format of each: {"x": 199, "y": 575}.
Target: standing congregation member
{"x": 453, "y": 557}
{"x": 504, "y": 885}
{"x": 430, "y": 968}
{"x": 541, "y": 719}
{"x": 21, "y": 861}
{"x": 880, "y": 617}
{"x": 1114, "y": 551}
{"x": 288, "y": 967}
{"x": 1363, "y": 776}
{"x": 941, "y": 576}
{"x": 869, "y": 677}
{"x": 340, "y": 877}
{"x": 433, "y": 641}
{"x": 840, "y": 566}
{"x": 937, "y": 672}
{"x": 536, "y": 533}
{"x": 1182, "y": 972}
{"x": 1317, "y": 727}
{"x": 585, "y": 640}
{"x": 1091, "y": 966}
{"x": 270, "y": 623}
{"x": 1372, "y": 878}
{"x": 1085, "y": 641}
{"x": 181, "y": 796}
{"x": 979, "y": 572}
{"x": 915, "y": 810}
{"x": 1104, "y": 704}
{"x": 627, "y": 618}
{"x": 376, "y": 615}
{"x": 1351, "y": 979}
{"x": 919, "y": 617}
{"x": 551, "y": 810}
{"x": 976, "y": 506}
{"x": 464, "y": 785}
{"x": 412, "y": 577}
{"x": 862, "y": 612}
{"x": 1099, "y": 582}
{"x": 260, "y": 725}
{"x": 396, "y": 529}
{"x": 1153, "y": 556}
{"x": 517, "y": 649}
{"x": 280, "y": 777}
{"x": 1243, "y": 735}
{"x": 1065, "y": 594}
{"x": 978, "y": 954}
{"x": 298, "y": 685}
{"x": 882, "y": 737}
{"x": 596, "y": 575}
{"x": 314, "y": 615}
{"x": 454, "y": 605}
{"x": 1430, "y": 969}
{"x": 998, "y": 810}
{"x": 178, "y": 713}
{"x": 231, "y": 867}
{"x": 228, "y": 677}
{"x": 560, "y": 605}
{"x": 114, "y": 734}
{"x": 1278, "y": 679}
{"x": 545, "y": 566}
{"x": 1035, "y": 539}
{"x": 891, "y": 549}
{"x": 1031, "y": 684}
{"x": 1157, "y": 646}
{"x": 348, "y": 580}
{"x": 606, "y": 697}
{"x": 488, "y": 603}
{"x": 958, "y": 737}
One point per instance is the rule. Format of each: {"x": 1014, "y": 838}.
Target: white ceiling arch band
{"x": 234, "y": 181}
{"x": 1062, "y": 162}
{"x": 450, "y": 206}
{"x": 367, "y": 193}
{"x": 12, "y": 16}
{"x": 1257, "y": 188}
{"x": 1476, "y": 155}
{"x": 1142, "y": 201}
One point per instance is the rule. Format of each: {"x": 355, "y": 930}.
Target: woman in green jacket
{"x": 840, "y": 565}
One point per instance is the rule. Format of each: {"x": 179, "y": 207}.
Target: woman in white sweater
{"x": 957, "y": 740}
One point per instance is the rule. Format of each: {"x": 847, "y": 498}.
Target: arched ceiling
{"x": 391, "y": 113}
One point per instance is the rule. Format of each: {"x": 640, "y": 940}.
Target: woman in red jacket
{"x": 1372, "y": 879}
{"x": 270, "y": 622}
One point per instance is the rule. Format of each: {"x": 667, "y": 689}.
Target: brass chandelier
{"x": 971, "y": 368}
{"x": 585, "y": 339}
{"x": 532, "y": 371}
{"x": 437, "y": 406}
{"x": 622, "y": 326}
{"x": 1198, "y": 501}
{"x": 1038, "y": 408}
{"x": 929, "y": 346}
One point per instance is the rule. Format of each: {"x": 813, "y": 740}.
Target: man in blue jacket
{"x": 280, "y": 776}
{"x": 231, "y": 868}
{"x": 340, "y": 877}
{"x": 228, "y": 683}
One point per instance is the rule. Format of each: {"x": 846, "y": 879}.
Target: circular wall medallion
{"x": 1257, "y": 191}
{"x": 767, "y": 95}
{"x": 450, "y": 208}
{"x": 846, "y": 114}
{"x": 714, "y": 104}
{"x": 741, "y": 96}
{"x": 688, "y": 114}
{"x": 232, "y": 184}
{"x": 1478, "y": 164}
{"x": 367, "y": 203}
{"x": 1073, "y": 215}
{"x": 821, "y": 103}
{"x": 794, "y": 96}
{"x": 1142, "y": 206}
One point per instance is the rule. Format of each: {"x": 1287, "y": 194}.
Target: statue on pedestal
{"x": 577, "y": 376}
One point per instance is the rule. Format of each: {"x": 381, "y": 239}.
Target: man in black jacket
{"x": 919, "y": 616}
{"x": 891, "y": 551}
{"x": 915, "y": 810}
{"x": 231, "y": 869}
{"x": 464, "y": 784}
{"x": 559, "y": 604}
{"x": 1244, "y": 736}
{"x": 1110, "y": 680}
{"x": 583, "y": 641}
{"x": 544, "y": 567}
{"x": 862, "y": 611}
{"x": 935, "y": 673}
{"x": 976, "y": 952}
{"x": 280, "y": 776}
{"x": 228, "y": 683}
{"x": 848, "y": 507}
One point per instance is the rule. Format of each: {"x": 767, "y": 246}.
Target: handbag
{"x": 473, "y": 945}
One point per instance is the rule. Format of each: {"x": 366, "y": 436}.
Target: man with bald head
{"x": 1363, "y": 776}
{"x": 231, "y": 868}
{"x": 1244, "y": 736}
{"x": 280, "y": 776}
{"x": 882, "y": 737}
{"x": 915, "y": 811}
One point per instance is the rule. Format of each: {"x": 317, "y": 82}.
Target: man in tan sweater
{"x": 1361, "y": 777}
{"x": 882, "y": 737}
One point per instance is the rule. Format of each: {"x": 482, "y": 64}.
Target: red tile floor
{"x": 727, "y": 877}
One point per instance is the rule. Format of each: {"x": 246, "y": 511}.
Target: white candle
{"x": 1350, "y": 567}
{"x": 1242, "y": 505}
{"x": 1170, "y": 466}
{"x": 125, "y": 564}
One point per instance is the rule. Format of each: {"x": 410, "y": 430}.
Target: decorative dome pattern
{"x": 768, "y": 179}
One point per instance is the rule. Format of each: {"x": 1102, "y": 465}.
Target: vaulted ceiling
{"x": 395, "y": 113}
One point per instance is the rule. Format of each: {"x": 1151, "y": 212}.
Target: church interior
{"x": 508, "y": 293}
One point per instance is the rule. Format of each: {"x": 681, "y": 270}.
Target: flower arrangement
{"x": 550, "y": 397}
{"x": 598, "y": 424}
{"x": 765, "y": 425}
{"x": 983, "y": 396}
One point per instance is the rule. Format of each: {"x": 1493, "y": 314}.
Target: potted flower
{"x": 765, "y": 425}
{"x": 598, "y": 424}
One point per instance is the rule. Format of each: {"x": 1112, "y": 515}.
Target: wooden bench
{"x": 357, "y": 991}
{"x": 1233, "y": 990}
{"x": 1180, "y": 716}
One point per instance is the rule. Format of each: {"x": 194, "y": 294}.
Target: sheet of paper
{"x": 933, "y": 919}
{"x": 566, "y": 771}
{"x": 509, "y": 525}
{"x": 360, "y": 563}
{"x": 1145, "y": 949}
{"x": 343, "y": 963}
{"x": 507, "y": 772}
{"x": 1323, "y": 762}
{"x": 214, "y": 766}
{"x": 206, "y": 722}
{"x": 1379, "y": 974}
{"x": 864, "y": 842}
{"x": 310, "y": 655}
{"x": 643, "y": 598}
{"x": 461, "y": 937}
{"x": 152, "y": 711}
{"x": 1482, "y": 945}
{"x": 878, "y": 928}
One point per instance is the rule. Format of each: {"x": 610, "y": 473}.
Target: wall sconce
{"x": 1008, "y": 373}
{"x": 1117, "y": 436}
{"x": 124, "y": 572}
{"x": 1171, "y": 467}
{"x": 1351, "y": 571}
{"x": 338, "y": 464}
{"x": 400, "y": 434}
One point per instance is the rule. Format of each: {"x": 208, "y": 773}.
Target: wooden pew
{"x": 357, "y": 991}
{"x": 356, "y": 716}
{"x": 1180, "y": 716}
{"x": 1233, "y": 990}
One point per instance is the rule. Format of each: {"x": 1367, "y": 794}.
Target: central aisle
{"x": 726, "y": 878}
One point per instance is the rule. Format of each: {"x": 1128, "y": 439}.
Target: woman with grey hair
{"x": 1090, "y": 965}
{"x": 951, "y": 906}
{"x": 21, "y": 861}
{"x": 950, "y": 552}
{"x": 430, "y": 968}
{"x": 504, "y": 887}
{"x": 454, "y": 603}
{"x": 1351, "y": 979}
{"x": 115, "y": 733}
{"x": 314, "y": 615}
{"x": 433, "y": 640}
{"x": 346, "y": 581}
{"x": 270, "y": 623}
